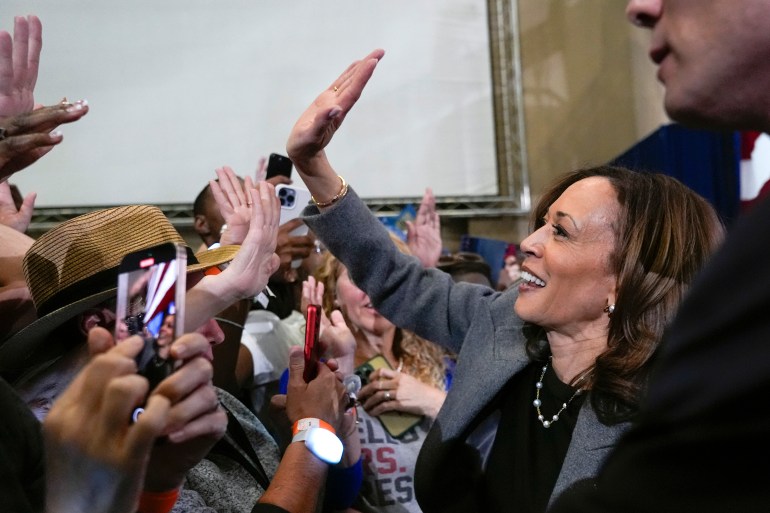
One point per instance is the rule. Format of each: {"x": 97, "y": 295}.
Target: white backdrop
{"x": 178, "y": 88}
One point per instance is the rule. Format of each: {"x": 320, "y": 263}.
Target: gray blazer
{"x": 475, "y": 322}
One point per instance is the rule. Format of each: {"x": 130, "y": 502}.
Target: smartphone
{"x": 396, "y": 423}
{"x": 293, "y": 199}
{"x": 312, "y": 348}
{"x": 278, "y": 164}
{"x": 150, "y": 303}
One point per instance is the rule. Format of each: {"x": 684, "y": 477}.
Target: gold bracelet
{"x": 335, "y": 199}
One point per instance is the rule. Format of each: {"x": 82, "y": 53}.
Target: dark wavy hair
{"x": 664, "y": 234}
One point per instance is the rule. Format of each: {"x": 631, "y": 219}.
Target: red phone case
{"x": 311, "y": 343}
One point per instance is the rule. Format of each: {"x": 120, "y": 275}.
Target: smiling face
{"x": 357, "y": 306}
{"x": 567, "y": 276}
{"x": 713, "y": 58}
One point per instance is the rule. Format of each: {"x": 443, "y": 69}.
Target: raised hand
{"x": 10, "y": 216}
{"x": 19, "y": 64}
{"x": 313, "y": 294}
{"x": 261, "y": 172}
{"x": 234, "y": 204}
{"x": 317, "y": 125}
{"x": 337, "y": 341}
{"x": 26, "y": 137}
{"x": 250, "y": 269}
{"x": 252, "y": 266}
{"x": 423, "y": 235}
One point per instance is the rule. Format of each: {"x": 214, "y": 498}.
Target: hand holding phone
{"x": 312, "y": 348}
{"x": 278, "y": 165}
{"x": 396, "y": 423}
{"x": 150, "y": 303}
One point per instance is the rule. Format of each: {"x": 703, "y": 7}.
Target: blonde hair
{"x": 420, "y": 358}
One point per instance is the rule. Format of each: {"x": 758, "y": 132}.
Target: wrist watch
{"x": 320, "y": 439}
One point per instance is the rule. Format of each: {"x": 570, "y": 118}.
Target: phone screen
{"x": 311, "y": 343}
{"x": 150, "y": 303}
{"x": 396, "y": 423}
{"x": 278, "y": 165}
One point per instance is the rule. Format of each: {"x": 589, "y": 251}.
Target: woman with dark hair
{"x": 663, "y": 233}
{"x": 399, "y": 400}
{"x": 550, "y": 373}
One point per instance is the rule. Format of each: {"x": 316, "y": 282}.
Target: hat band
{"x": 99, "y": 282}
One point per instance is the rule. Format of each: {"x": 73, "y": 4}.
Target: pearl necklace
{"x": 537, "y": 403}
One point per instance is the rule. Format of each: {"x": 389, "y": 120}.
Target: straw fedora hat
{"x": 74, "y": 267}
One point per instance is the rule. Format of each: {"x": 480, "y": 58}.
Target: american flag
{"x": 755, "y": 167}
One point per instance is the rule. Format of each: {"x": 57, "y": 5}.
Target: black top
{"x": 525, "y": 463}
{"x": 22, "y": 478}
{"x": 282, "y": 303}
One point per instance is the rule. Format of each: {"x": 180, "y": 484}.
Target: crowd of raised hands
{"x": 97, "y": 457}
{"x": 27, "y": 130}
{"x": 100, "y": 459}
{"x": 114, "y": 444}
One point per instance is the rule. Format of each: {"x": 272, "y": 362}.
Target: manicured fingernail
{"x": 176, "y": 435}
{"x": 56, "y": 133}
{"x": 78, "y": 105}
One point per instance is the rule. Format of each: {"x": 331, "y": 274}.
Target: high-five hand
{"x": 317, "y": 125}
{"x": 19, "y": 64}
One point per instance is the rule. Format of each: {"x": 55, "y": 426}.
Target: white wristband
{"x": 320, "y": 439}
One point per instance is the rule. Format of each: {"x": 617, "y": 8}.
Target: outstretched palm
{"x": 19, "y": 62}
{"x": 317, "y": 125}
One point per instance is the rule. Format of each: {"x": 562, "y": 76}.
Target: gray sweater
{"x": 220, "y": 484}
{"x": 471, "y": 320}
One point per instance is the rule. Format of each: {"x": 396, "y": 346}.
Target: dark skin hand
{"x": 291, "y": 247}
{"x": 27, "y": 137}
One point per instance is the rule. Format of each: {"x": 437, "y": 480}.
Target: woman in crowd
{"x": 511, "y": 271}
{"x": 549, "y": 373}
{"x": 404, "y": 379}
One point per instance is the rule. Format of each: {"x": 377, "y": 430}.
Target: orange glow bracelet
{"x": 310, "y": 422}
{"x": 158, "y": 502}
